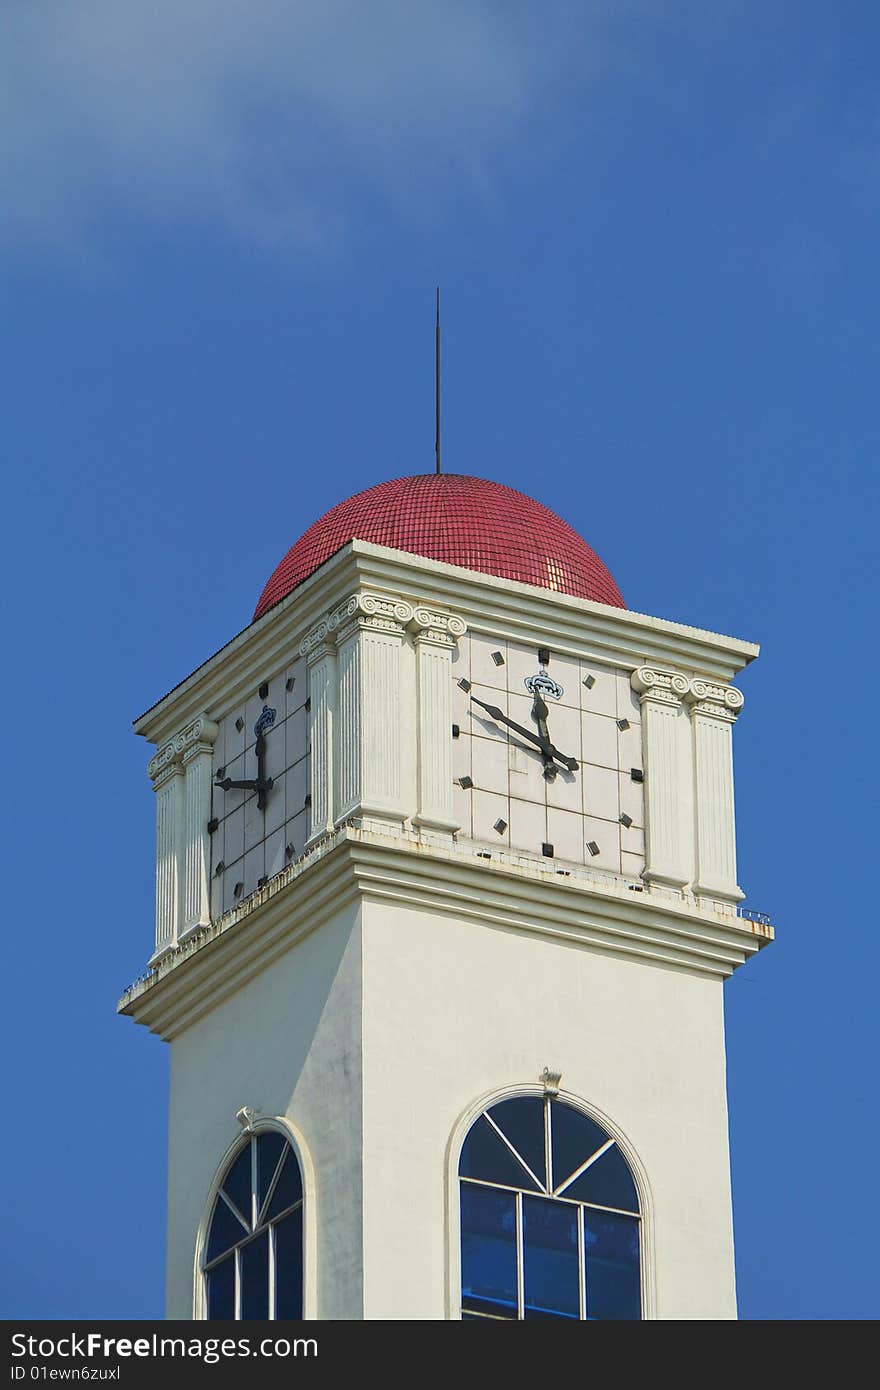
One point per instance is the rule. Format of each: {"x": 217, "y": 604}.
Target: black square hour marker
{"x": 290, "y": 683}
{"x": 593, "y": 847}
{"x": 289, "y": 851}
{"x": 465, "y": 782}
{"x": 547, "y": 851}
{"x": 218, "y": 868}
{"x": 623, "y": 724}
{"x": 589, "y": 682}
{"x": 543, "y": 656}
{"x": 500, "y": 825}
{"x": 308, "y": 704}
{"x": 212, "y": 825}
{"x": 498, "y": 658}
{"x": 464, "y": 685}
{"x": 455, "y": 731}
{"x": 263, "y": 690}
{"x": 221, "y": 772}
{"x": 625, "y": 820}
{"x": 261, "y": 882}
{"x": 239, "y": 723}
{"x": 637, "y": 774}
{"x": 238, "y": 890}
{"x": 308, "y": 800}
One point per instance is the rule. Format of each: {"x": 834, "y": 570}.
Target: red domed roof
{"x": 461, "y": 521}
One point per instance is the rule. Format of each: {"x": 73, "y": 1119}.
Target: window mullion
{"x": 271, "y": 1273}
{"x": 238, "y": 1284}
{"x": 548, "y": 1143}
{"x": 582, "y": 1267}
{"x": 520, "y": 1273}
{"x": 254, "y": 1198}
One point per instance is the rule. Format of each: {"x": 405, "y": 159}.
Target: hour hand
{"x": 502, "y": 718}
{"x": 259, "y": 784}
{"x": 542, "y": 743}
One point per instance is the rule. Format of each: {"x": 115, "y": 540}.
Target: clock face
{"x": 252, "y": 844}
{"x": 509, "y": 792}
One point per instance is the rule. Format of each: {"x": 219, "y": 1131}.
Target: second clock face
{"x": 250, "y": 843}
{"x": 579, "y": 816}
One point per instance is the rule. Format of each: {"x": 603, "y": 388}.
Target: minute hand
{"x": 544, "y": 744}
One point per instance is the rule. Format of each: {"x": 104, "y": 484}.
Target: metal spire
{"x": 437, "y": 384}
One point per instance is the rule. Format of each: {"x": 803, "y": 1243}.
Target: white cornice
{"x": 355, "y": 864}
{"x": 520, "y": 612}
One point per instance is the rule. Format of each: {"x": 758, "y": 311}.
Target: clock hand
{"x": 261, "y": 784}
{"x": 254, "y": 784}
{"x": 264, "y": 784}
{"x": 543, "y": 744}
{"x": 539, "y": 714}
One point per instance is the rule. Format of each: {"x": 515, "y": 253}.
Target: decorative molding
{"x": 509, "y": 611}
{"x": 663, "y": 687}
{"x": 181, "y": 777}
{"x": 551, "y": 1081}
{"x": 378, "y": 704}
{"x": 441, "y": 629}
{"x": 435, "y": 635}
{"x": 668, "y": 761}
{"x": 355, "y": 865}
{"x": 323, "y": 696}
{"x": 691, "y": 833}
{"x": 713, "y": 711}
{"x": 702, "y": 697}
{"x": 362, "y": 610}
{"x": 714, "y": 701}
{"x": 201, "y": 730}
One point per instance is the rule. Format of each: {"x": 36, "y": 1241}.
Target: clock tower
{"x": 446, "y": 894}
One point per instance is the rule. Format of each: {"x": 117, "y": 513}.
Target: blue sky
{"x": 656, "y": 230}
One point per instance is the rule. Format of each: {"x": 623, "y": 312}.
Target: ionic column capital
{"x": 714, "y": 701}
{"x": 436, "y": 626}
{"x": 196, "y": 737}
{"x": 659, "y": 687}
{"x": 361, "y": 610}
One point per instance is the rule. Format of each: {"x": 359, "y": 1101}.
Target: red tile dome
{"x": 458, "y": 520}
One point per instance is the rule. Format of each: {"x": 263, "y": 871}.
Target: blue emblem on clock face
{"x": 543, "y": 684}
{"x": 264, "y": 721}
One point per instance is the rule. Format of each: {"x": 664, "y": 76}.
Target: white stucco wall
{"x": 456, "y": 1011}
{"x": 287, "y": 1044}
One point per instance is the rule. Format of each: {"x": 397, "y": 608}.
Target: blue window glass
{"x": 270, "y": 1147}
{"x": 486, "y": 1156}
{"x": 221, "y": 1291}
{"x": 237, "y": 1185}
{"x": 611, "y": 1254}
{"x": 255, "y": 1278}
{"x": 575, "y": 1138}
{"x": 521, "y": 1251}
{"x": 488, "y": 1251}
{"x": 289, "y": 1266}
{"x": 551, "y": 1277}
{"x": 606, "y": 1183}
{"x": 226, "y": 1230}
{"x": 521, "y": 1121}
{"x": 288, "y": 1188}
{"x": 265, "y": 1173}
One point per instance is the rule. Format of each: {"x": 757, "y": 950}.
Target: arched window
{"x": 253, "y": 1258}
{"x": 549, "y": 1217}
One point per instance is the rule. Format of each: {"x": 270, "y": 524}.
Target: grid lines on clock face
{"x": 506, "y": 773}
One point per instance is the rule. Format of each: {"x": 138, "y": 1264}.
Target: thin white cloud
{"x": 262, "y": 114}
